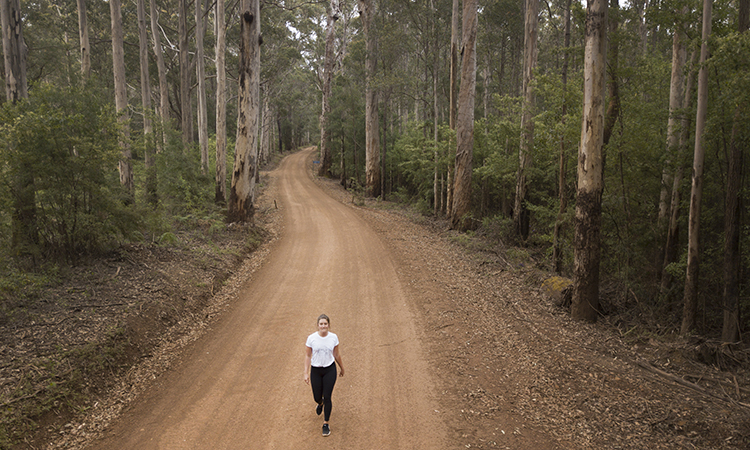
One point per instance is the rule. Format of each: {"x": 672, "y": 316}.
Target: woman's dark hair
{"x": 323, "y": 316}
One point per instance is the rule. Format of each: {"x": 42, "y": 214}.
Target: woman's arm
{"x": 308, "y": 362}
{"x": 337, "y": 357}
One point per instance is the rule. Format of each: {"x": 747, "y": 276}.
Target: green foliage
{"x": 498, "y": 229}
{"x": 65, "y": 143}
{"x": 413, "y": 157}
{"x": 182, "y": 189}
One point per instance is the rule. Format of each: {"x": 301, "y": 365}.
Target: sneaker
{"x": 319, "y": 408}
{"x": 326, "y": 430}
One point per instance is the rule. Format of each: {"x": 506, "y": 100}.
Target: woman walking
{"x": 322, "y": 355}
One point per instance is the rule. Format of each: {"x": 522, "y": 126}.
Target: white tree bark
{"x": 670, "y": 248}
{"x": 673, "y": 138}
{"x": 221, "y": 105}
{"x": 690, "y": 299}
{"x": 455, "y": 39}
{"x": 520, "y": 212}
{"x": 585, "y": 302}
{"x": 200, "y": 74}
{"x": 121, "y": 96}
{"x": 266, "y": 129}
{"x": 325, "y": 151}
{"x": 437, "y": 193}
{"x": 148, "y": 137}
{"x": 186, "y": 114}
{"x": 372, "y": 139}
{"x": 162, "y": 72}
{"x": 83, "y": 39}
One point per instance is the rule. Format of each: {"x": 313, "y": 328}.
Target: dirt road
{"x": 240, "y": 386}
{"x": 444, "y": 347}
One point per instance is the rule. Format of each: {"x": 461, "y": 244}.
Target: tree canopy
{"x": 60, "y": 147}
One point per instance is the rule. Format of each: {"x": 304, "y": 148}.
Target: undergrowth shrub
{"x": 60, "y": 150}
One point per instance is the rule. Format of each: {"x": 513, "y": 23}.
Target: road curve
{"x": 240, "y": 386}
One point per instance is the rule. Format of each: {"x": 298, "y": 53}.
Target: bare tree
{"x": 221, "y": 104}
{"x": 14, "y": 51}
{"x": 200, "y": 74}
{"x": 437, "y": 192}
{"x": 162, "y": 73}
{"x": 585, "y": 302}
{"x": 186, "y": 115}
{"x": 242, "y": 192}
{"x": 325, "y": 151}
{"x": 677, "y": 84}
{"x": 455, "y": 39}
{"x": 732, "y": 224}
{"x": 461, "y": 206}
{"x": 673, "y": 229}
{"x": 372, "y": 139}
{"x": 83, "y": 39}
{"x": 24, "y": 231}
{"x": 520, "y": 211}
{"x": 557, "y": 254}
{"x": 690, "y": 299}
{"x": 148, "y": 136}
{"x": 121, "y": 96}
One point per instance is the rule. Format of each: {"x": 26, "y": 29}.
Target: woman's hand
{"x": 337, "y": 357}
{"x": 308, "y": 362}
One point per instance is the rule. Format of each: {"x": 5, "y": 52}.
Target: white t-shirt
{"x": 322, "y": 348}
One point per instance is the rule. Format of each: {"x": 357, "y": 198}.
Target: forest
{"x": 123, "y": 119}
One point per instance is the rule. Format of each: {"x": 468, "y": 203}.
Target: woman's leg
{"x": 316, "y": 382}
{"x": 328, "y": 381}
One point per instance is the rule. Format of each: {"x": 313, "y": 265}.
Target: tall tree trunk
{"x": 384, "y": 147}
{"x": 342, "y": 161}
{"x": 455, "y": 39}
{"x": 372, "y": 140}
{"x": 732, "y": 212}
{"x": 557, "y": 253}
{"x": 220, "y": 196}
{"x": 200, "y": 74}
{"x": 83, "y": 39}
{"x": 613, "y": 108}
{"x": 162, "y": 72}
{"x": 186, "y": 114}
{"x": 520, "y": 211}
{"x": 673, "y": 164}
{"x": 677, "y": 83}
{"x": 121, "y": 97}
{"x": 265, "y": 130}
{"x": 691, "y": 280}
{"x": 436, "y": 192}
{"x": 243, "y": 181}
{"x": 486, "y": 79}
{"x": 14, "y": 51}
{"x": 461, "y": 207}
{"x": 325, "y": 136}
{"x": 640, "y": 7}
{"x": 585, "y": 302}
{"x": 148, "y": 136}
{"x": 23, "y": 221}
{"x": 673, "y": 229}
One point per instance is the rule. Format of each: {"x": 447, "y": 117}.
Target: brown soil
{"x": 446, "y": 345}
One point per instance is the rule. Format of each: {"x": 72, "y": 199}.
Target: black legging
{"x": 322, "y": 380}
